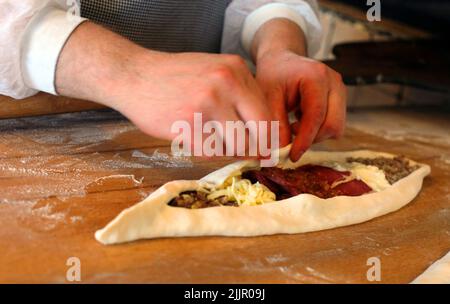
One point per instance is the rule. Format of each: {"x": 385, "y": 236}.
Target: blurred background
{"x": 403, "y": 60}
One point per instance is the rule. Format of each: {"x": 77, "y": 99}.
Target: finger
{"x": 250, "y": 102}
{"x": 295, "y": 126}
{"x": 277, "y": 105}
{"x": 314, "y": 106}
{"x": 242, "y": 93}
{"x": 334, "y": 123}
{"x": 252, "y": 107}
{"x": 232, "y": 146}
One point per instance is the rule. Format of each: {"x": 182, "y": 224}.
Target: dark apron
{"x": 166, "y": 25}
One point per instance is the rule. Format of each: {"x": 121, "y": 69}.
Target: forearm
{"x": 96, "y": 63}
{"x": 278, "y": 35}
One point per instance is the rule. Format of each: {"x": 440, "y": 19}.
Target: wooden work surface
{"x": 63, "y": 177}
{"x": 43, "y": 103}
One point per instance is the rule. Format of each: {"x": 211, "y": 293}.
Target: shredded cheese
{"x": 243, "y": 192}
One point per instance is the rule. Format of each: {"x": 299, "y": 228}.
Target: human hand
{"x": 293, "y": 82}
{"x": 155, "y": 89}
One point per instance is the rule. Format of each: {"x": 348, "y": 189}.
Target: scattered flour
{"x": 159, "y": 159}
{"x": 136, "y": 182}
{"x": 318, "y": 274}
{"x": 278, "y": 258}
{"x": 66, "y": 156}
{"x": 75, "y": 219}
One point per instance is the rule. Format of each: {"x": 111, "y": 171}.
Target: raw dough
{"x": 437, "y": 273}
{"x": 153, "y": 217}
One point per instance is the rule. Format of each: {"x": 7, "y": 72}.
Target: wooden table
{"x": 63, "y": 177}
{"x": 43, "y": 103}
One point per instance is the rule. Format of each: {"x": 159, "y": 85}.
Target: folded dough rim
{"x": 154, "y": 218}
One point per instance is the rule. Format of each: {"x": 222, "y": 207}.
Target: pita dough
{"x": 437, "y": 273}
{"x": 154, "y": 218}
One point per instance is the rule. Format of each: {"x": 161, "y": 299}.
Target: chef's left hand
{"x": 292, "y": 82}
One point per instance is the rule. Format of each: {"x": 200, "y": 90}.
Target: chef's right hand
{"x": 155, "y": 89}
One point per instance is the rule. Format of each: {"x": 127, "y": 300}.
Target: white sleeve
{"x": 243, "y": 18}
{"x": 33, "y": 33}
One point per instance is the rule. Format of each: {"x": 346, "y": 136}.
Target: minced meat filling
{"x": 394, "y": 168}
{"x": 198, "y": 199}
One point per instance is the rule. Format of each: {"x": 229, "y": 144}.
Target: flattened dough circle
{"x": 154, "y": 218}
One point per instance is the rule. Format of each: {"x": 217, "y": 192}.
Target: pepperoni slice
{"x": 313, "y": 179}
{"x": 352, "y": 188}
